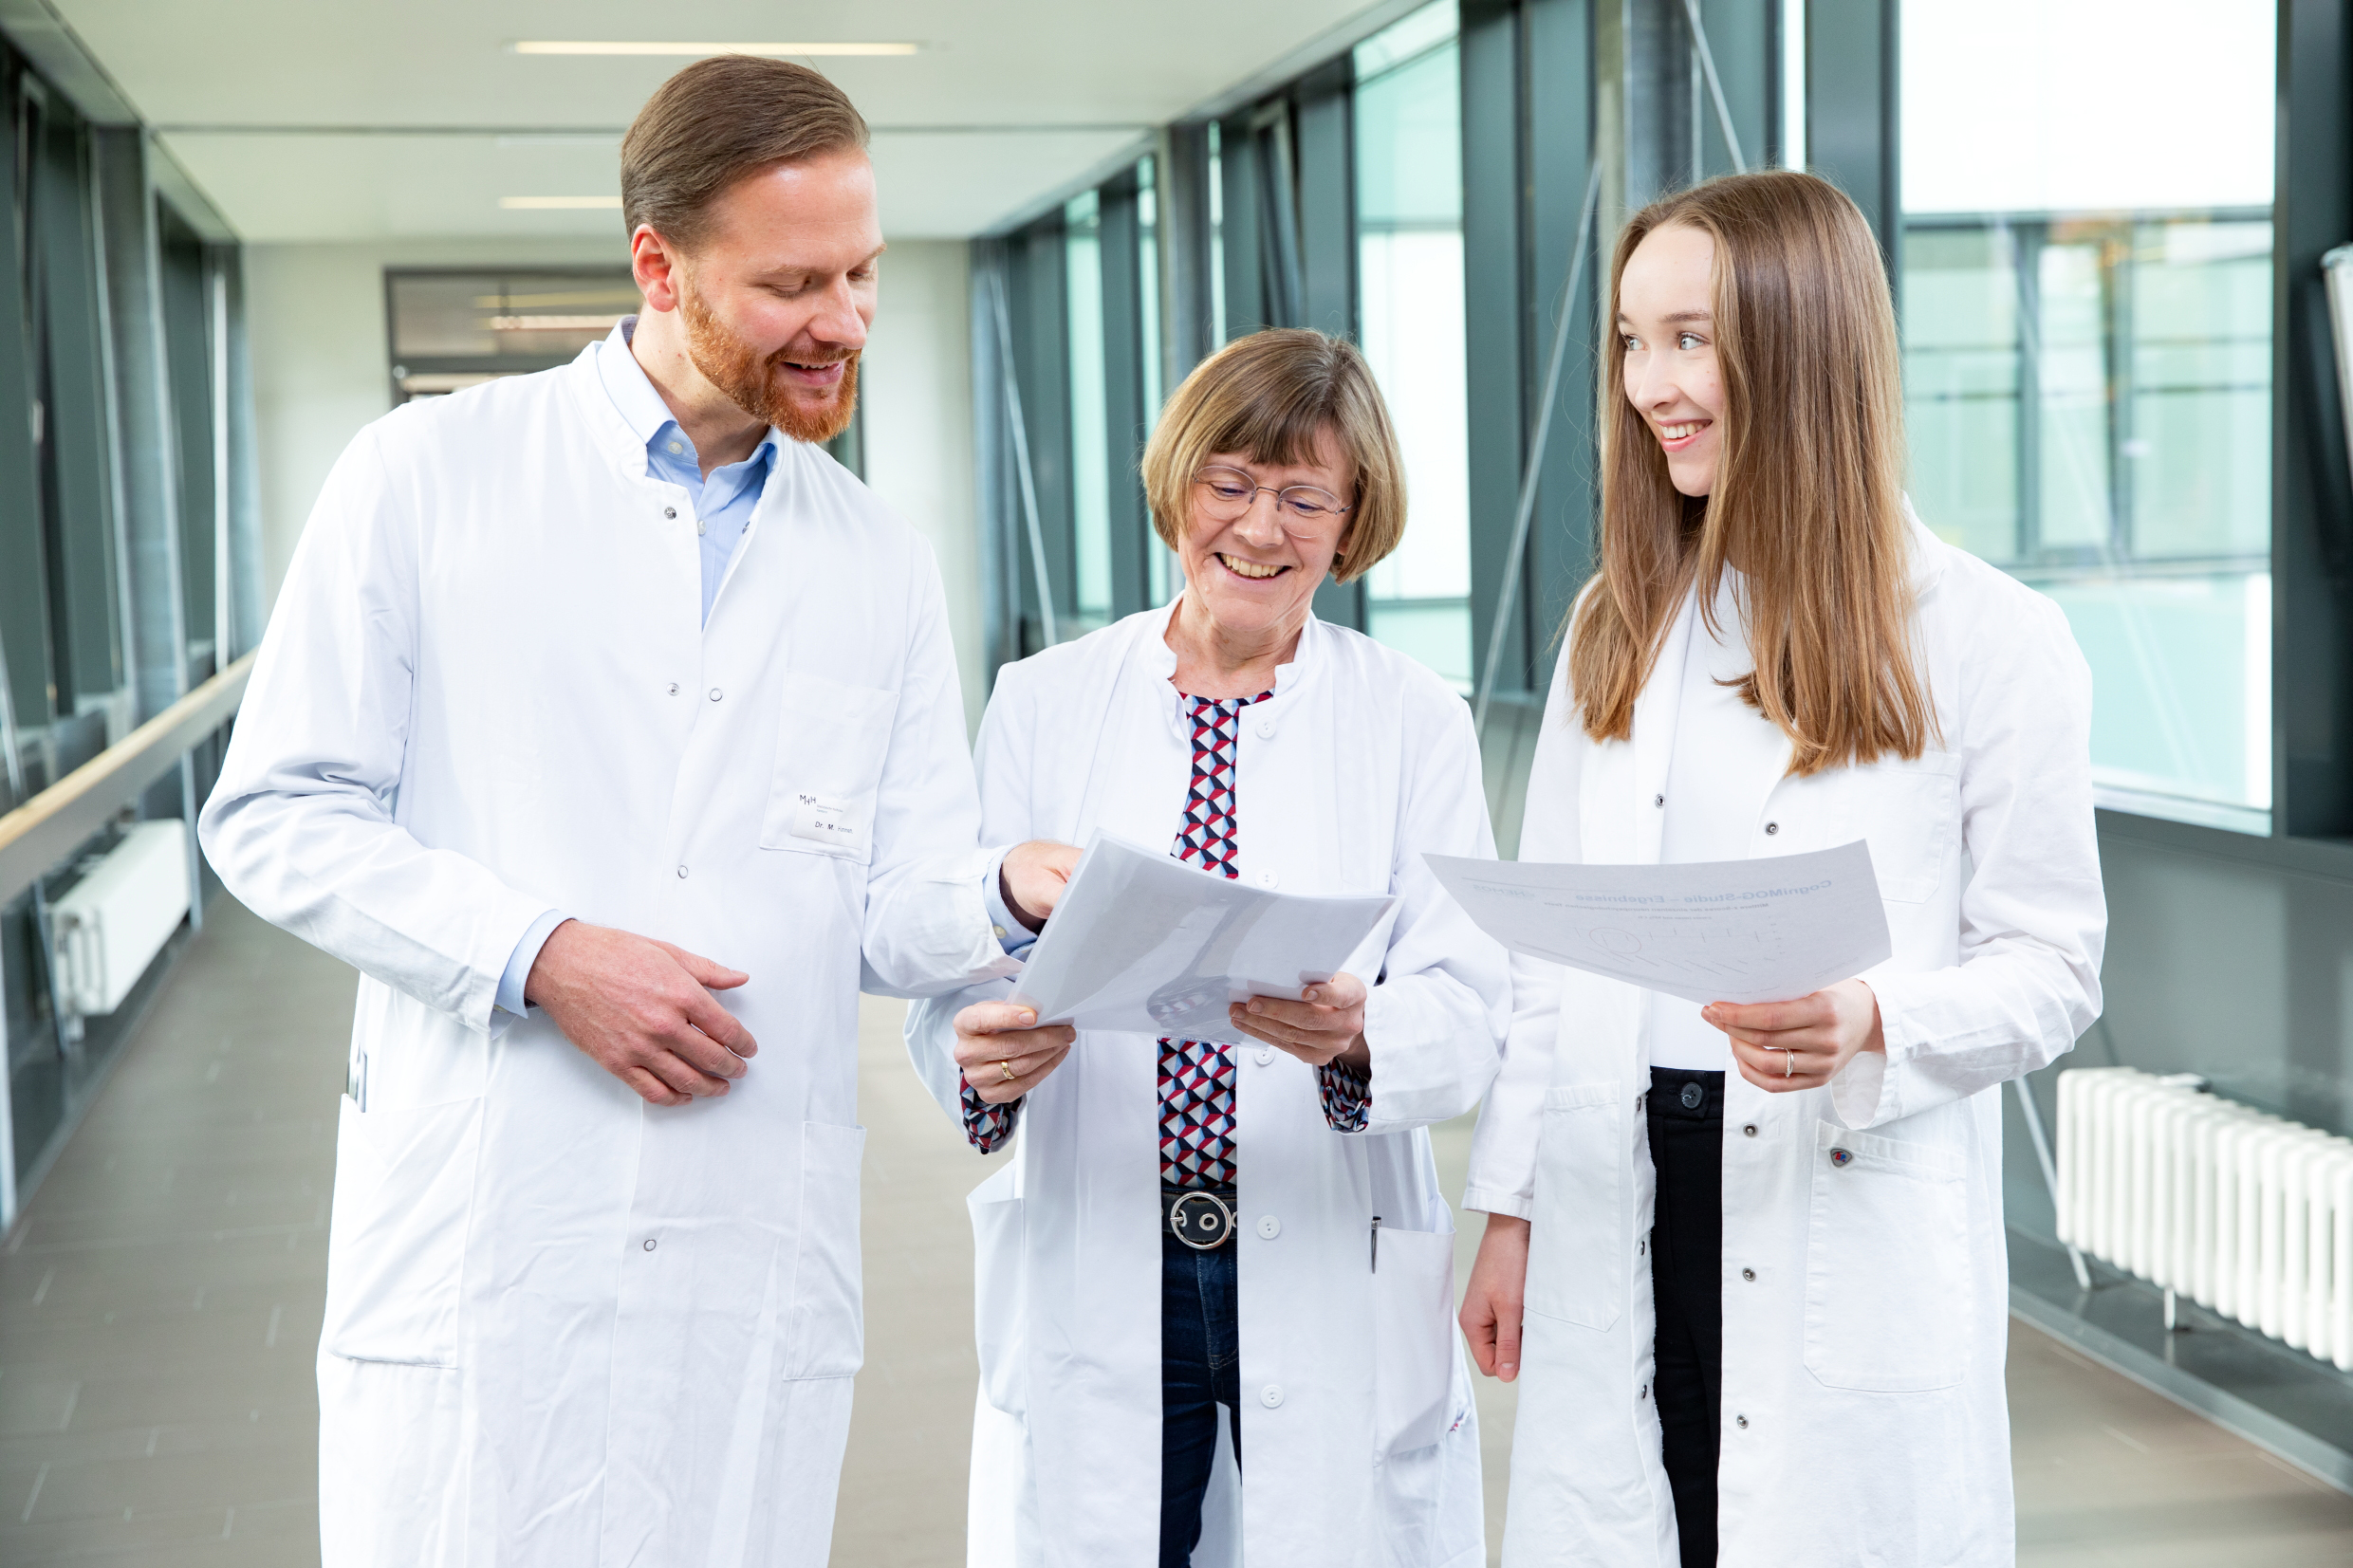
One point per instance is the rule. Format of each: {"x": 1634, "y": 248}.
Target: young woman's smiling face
{"x": 1666, "y": 319}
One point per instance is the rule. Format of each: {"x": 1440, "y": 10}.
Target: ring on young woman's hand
{"x": 1789, "y": 1062}
{"x": 1007, "y": 1069}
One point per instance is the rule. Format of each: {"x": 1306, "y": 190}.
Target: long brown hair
{"x": 1808, "y": 491}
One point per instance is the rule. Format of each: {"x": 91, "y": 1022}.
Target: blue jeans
{"x": 1200, "y": 1368}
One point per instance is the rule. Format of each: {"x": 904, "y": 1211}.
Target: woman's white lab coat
{"x": 1359, "y": 1442}
{"x": 1865, "y": 1299}
{"x": 563, "y": 1326}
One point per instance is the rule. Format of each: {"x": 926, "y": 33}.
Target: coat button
{"x": 1266, "y": 729}
{"x": 1840, "y": 1157}
{"x": 1741, "y": 1421}
{"x": 1268, "y": 878}
{"x": 681, "y": 873}
{"x": 1773, "y": 827}
{"x": 1658, "y": 801}
{"x": 674, "y": 688}
{"x": 1749, "y": 1131}
{"x": 1271, "y": 1396}
{"x": 670, "y": 511}
{"x": 649, "y": 1244}
{"x": 1749, "y": 1275}
{"x": 716, "y": 693}
{"x": 1270, "y": 1227}
{"x": 1266, "y": 1056}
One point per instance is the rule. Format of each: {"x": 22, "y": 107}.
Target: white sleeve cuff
{"x": 1490, "y": 1200}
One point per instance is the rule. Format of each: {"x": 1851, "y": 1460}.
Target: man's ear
{"x": 655, "y": 266}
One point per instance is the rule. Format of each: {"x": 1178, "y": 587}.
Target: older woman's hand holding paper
{"x": 1326, "y": 1025}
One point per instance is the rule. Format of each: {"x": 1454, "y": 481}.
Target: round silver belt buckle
{"x": 1213, "y": 1221}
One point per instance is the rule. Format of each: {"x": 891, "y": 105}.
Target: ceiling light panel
{"x": 678, "y": 51}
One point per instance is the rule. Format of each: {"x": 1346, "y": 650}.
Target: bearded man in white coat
{"x": 577, "y": 679}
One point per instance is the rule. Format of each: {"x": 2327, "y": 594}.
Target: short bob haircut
{"x": 1268, "y": 397}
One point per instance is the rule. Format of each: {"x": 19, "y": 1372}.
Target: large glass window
{"x": 452, "y": 330}
{"x": 1409, "y": 262}
{"x": 2088, "y": 357}
{"x": 1090, "y": 457}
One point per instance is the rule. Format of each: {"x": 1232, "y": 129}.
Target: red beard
{"x": 749, "y": 379}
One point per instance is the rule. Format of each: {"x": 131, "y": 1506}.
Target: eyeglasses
{"x": 1225, "y": 494}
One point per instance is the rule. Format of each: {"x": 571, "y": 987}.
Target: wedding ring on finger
{"x": 1789, "y": 1062}
{"x": 1005, "y": 1070}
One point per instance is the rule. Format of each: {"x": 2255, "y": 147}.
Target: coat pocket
{"x": 999, "y": 1294}
{"x": 1888, "y": 1271}
{"x": 397, "y": 1246}
{"x": 831, "y": 738}
{"x": 1909, "y": 812}
{"x": 829, "y": 1324}
{"x": 1413, "y": 1339}
{"x": 1577, "y": 1244}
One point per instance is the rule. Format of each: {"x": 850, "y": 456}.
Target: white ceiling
{"x": 333, "y": 120}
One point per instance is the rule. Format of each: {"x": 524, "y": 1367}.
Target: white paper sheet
{"x": 1719, "y": 930}
{"x": 1146, "y": 944}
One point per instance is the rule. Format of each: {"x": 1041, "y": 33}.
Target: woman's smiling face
{"x": 1667, "y": 322}
{"x": 1256, "y": 574}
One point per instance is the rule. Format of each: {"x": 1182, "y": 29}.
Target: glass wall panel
{"x": 2087, "y": 355}
{"x": 1090, "y": 466}
{"x": 452, "y": 330}
{"x": 1162, "y": 574}
{"x": 1410, "y": 314}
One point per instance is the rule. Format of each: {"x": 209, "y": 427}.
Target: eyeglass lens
{"x": 1227, "y": 493}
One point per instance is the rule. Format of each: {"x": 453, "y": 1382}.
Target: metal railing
{"x": 51, "y": 826}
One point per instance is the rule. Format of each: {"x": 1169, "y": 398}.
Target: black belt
{"x": 1201, "y": 1217}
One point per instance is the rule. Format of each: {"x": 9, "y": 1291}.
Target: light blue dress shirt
{"x": 722, "y": 507}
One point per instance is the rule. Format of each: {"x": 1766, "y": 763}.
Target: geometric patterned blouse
{"x": 1197, "y": 1075}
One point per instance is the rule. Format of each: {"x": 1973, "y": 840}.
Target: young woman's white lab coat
{"x": 1865, "y": 1299}
{"x": 563, "y": 1326}
{"x": 1359, "y": 1444}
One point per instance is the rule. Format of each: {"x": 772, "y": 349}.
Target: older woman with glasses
{"x": 1186, "y": 1225}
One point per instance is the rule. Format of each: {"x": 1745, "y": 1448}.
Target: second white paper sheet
{"x": 1148, "y": 945}
{"x": 1719, "y": 930}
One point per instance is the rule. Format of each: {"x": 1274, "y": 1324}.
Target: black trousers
{"x": 1686, "y": 1115}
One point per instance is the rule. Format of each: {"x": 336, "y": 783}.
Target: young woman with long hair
{"x": 1747, "y": 1262}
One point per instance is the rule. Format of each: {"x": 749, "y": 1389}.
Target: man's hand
{"x": 1002, "y": 1053}
{"x": 1801, "y": 1044}
{"x": 643, "y": 1010}
{"x": 1327, "y": 1022}
{"x": 1032, "y": 877}
{"x": 1491, "y": 1302}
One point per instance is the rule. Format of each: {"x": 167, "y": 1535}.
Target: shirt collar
{"x": 632, "y": 391}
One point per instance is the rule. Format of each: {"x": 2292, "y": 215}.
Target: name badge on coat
{"x": 825, "y": 819}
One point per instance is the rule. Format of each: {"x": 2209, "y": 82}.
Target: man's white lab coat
{"x": 565, "y": 1327}
{"x": 1865, "y": 1283}
{"x": 1360, "y": 1444}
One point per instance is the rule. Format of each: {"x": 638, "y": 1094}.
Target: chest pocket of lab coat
{"x": 831, "y": 738}
{"x": 1577, "y": 1248}
{"x": 1888, "y": 1267}
{"x": 1910, "y": 813}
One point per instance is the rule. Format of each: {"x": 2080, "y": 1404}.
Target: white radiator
{"x": 110, "y": 924}
{"x": 2248, "y": 1215}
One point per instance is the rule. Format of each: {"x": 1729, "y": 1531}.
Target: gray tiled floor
{"x": 160, "y": 1303}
